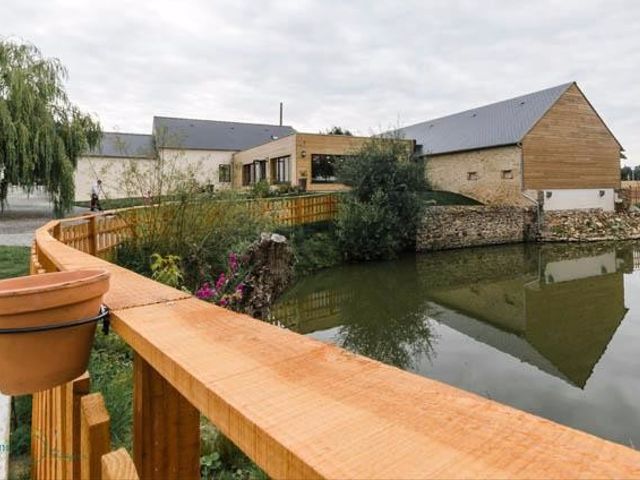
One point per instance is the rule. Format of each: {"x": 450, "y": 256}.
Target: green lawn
{"x": 14, "y": 261}
{"x": 447, "y": 198}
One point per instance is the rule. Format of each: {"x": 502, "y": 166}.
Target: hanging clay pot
{"x": 47, "y": 325}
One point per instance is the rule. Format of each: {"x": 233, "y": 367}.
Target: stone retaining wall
{"x": 468, "y": 226}
{"x": 590, "y": 226}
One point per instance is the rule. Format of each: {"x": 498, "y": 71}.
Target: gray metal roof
{"x": 501, "y": 123}
{"x": 213, "y": 134}
{"x": 116, "y": 144}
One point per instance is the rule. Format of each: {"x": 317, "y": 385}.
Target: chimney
{"x": 280, "y": 113}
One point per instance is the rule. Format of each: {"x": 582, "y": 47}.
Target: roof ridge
{"x": 222, "y": 121}
{"x": 565, "y": 85}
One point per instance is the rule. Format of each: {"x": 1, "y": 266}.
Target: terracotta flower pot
{"x": 38, "y": 360}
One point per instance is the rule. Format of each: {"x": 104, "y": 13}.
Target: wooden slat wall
{"x": 570, "y": 147}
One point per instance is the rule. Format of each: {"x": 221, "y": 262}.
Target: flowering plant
{"x": 229, "y": 288}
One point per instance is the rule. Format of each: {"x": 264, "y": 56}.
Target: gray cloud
{"x": 364, "y": 65}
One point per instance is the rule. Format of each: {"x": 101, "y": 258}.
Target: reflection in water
{"x": 376, "y": 310}
{"x": 544, "y": 305}
{"x": 460, "y": 315}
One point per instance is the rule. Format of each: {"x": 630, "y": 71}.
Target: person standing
{"x": 96, "y": 189}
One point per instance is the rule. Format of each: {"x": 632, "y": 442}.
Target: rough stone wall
{"x": 467, "y": 226}
{"x": 451, "y": 173}
{"x": 589, "y": 226}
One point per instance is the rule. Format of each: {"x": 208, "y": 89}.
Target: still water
{"x": 550, "y": 329}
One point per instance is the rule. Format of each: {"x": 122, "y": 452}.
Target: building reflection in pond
{"x": 555, "y": 307}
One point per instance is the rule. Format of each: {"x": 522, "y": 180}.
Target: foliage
{"x": 229, "y": 287}
{"x": 337, "y": 130}
{"x": 221, "y": 459}
{"x": 316, "y": 251}
{"x": 14, "y": 261}
{"x": 367, "y": 230}
{"x": 199, "y": 227}
{"x": 111, "y": 370}
{"x": 379, "y": 216}
{"x": 261, "y": 189}
{"x": 626, "y": 173}
{"x": 166, "y": 270}
{"x": 41, "y": 132}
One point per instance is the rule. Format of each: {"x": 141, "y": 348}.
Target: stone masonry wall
{"x": 467, "y": 226}
{"x": 488, "y": 184}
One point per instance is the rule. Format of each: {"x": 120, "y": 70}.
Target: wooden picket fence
{"x": 71, "y": 438}
{"x": 98, "y": 234}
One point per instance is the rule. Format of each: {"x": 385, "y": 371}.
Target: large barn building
{"x": 549, "y": 147}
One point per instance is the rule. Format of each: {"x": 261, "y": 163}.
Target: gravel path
{"x": 23, "y": 216}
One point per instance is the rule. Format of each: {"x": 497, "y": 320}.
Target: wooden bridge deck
{"x": 304, "y": 409}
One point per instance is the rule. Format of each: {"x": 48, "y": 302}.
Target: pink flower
{"x": 233, "y": 261}
{"x": 220, "y": 283}
{"x": 223, "y": 302}
{"x": 205, "y": 292}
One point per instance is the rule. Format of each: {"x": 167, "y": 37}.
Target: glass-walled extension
{"x": 550, "y": 329}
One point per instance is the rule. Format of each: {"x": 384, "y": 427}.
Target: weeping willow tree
{"x": 41, "y": 132}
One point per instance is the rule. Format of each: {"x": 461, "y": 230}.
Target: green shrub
{"x": 166, "y": 270}
{"x": 200, "y": 230}
{"x": 261, "y": 189}
{"x": 378, "y": 218}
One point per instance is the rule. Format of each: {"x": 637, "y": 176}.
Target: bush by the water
{"x": 378, "y": 218}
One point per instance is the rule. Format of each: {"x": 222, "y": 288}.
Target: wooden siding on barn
{"x": 571, "y": 148}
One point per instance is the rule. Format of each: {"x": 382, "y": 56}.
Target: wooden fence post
{"x": 95, "y": 437}
{"x": 57, "y": 231}
{"x": 166, "y": 428}
{"x": 93, "y": 235}
{"x": 118, "y": 466}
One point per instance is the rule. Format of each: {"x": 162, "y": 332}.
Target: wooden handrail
{"x": 301, "y": 408}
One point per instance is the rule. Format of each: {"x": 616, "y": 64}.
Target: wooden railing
{"x": 299, "y": 408}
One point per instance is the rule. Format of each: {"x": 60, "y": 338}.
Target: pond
{"x": 551, "y": 329}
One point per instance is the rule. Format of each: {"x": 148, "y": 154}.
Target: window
{"x": 281, "y": 169}
{"x": 323, "y": 168}
{"x": 507, "y": 174}
{"x": 259, "y": 171}
{"x": 472, "y": 176}
{"x": 224, "y": 173}
{"x": 247, "y": 171}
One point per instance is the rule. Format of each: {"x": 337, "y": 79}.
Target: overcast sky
{"x": 365, "y": 65}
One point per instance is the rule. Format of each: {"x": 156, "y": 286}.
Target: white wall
{"x": 568, "y": 199}
{"x": 205, "y": 161}
{"x": 111, "y": 169}
{"x": 108, "y": 169}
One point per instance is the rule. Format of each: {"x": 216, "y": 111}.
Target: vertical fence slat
{"x": 118, "y": 465}
{"x": 95, "y": 439}
{"x": 75, "y": 391}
